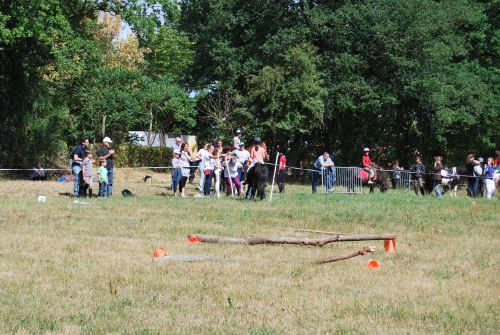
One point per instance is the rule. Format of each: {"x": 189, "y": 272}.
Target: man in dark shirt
{"x": 105, "y": 152}
{"x": 76, "y": 164}
{"x": 418, "y": 170}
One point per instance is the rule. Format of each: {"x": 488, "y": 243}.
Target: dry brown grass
{"x": 88, "y": 269}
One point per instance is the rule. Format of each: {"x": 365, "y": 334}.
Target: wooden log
{"x": 318, "y": 242}
{"x": 331, "y": 259}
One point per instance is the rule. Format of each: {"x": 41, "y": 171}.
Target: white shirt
{"x": 242, "y": 155}
{"x": 236, "y": 142}
{"x": 207, "y": 161}
{"x": 233, "y": 169}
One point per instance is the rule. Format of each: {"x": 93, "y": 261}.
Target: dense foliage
{"x": 398, "y": 76}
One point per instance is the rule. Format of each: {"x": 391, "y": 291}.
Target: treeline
{"x": 397, "y": 76}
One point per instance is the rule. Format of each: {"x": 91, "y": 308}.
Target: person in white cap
{"x": 237, "y": 140}
{"x": 108, "y": 154}
{"x": 367, "y": 165}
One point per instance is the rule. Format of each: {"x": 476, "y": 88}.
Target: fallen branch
{"x": 311, "y": 231}
{"x": 189, "y": 258}
{"x": 318, "y": 242}
{"x": 331, "y": 259}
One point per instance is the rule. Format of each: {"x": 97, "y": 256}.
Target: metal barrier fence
{"x": 344, "y": 180}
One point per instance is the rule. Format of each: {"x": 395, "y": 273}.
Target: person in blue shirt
{"x": 323, "y": 163}
{"x": 489, "y": 172}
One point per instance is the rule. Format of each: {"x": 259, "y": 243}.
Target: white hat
{"x": 238, "y": 131}
{"x": 107, "y": 139}
{"x": 177, "y": 152}
{"x": 366, "y": 149}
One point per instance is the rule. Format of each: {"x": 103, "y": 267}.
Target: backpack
{"x": 478, "y": 170}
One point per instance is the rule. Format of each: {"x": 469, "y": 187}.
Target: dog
{"x": 127, "y": 193}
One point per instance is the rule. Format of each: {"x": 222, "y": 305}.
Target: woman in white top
{"x": 185, "y": 158}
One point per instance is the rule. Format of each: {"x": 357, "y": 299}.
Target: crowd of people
{"x": 224, "y": 169}
{"x": 82, "y": 166}
{"x": 224, "y": 166}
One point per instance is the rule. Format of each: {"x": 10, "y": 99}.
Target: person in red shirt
{"x": 280, "y": 178}
{"x": 367, "y": 165}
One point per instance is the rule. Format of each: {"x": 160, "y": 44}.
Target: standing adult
{"x": 281, "y": 170}
{"x": 242, "y": 156}
{"x": 76, "y": 164}
{"x": 185, "y": 171}
{"x": 417, "y": 172}
{"x": 108, "y": 154}
{"x": 177, "y": 144}
{"x": 471, "y": 162}
{"x": 237, "y": 140}
{"x": 323, "y": 162}
{"x": 489, "y": 171}
{"x": 201, "y": 181}
{"x": 208, "y": 168}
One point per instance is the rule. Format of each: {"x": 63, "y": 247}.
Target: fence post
{"x": 274, "y": 176}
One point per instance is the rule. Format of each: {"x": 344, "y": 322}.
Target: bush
{"x": 128, "y": 155}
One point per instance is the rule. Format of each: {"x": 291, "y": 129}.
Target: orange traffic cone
{"x": 160, "y": 252}
{"x": 373, "y": 264}
{"x": 390, "y": 246}
{"x": 193, "y": 239}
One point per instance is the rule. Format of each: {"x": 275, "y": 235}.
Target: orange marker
{"x": 193, "y": 239}
{"x": 373, "y": 264}
{"x": 160, "y": 252}
{"x": 390, "y": 246}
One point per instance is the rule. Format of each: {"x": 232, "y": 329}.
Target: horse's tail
{"x": 261, "y": 174}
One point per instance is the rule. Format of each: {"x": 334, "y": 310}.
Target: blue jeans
{"x": 176, "y": 178}
{"x": 75, "y": 170}
{"x": 103, "y": 190}
{"x": 475, "y": 186}
{"x": 242, "y": 174}
{"x": 110, "y": 183}
{"x": 208, "y": 183}
{"x": 437, "y": 188}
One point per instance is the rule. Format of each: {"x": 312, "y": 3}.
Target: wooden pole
{"x": 331, "y": 259}
{"x": 318, "y": 242}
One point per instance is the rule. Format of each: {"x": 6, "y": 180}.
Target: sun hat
{"x": 107, "y": 139}
{"x": 177, "y": 152}
{"x": 366, "y": 149}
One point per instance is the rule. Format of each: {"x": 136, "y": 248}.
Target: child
{"x": 367, "y": 165}
{"x": 87, "y": 171}
{"x": 396, "y": 174}
{"x": 102, "y": 175}
{"x": 488, "y": 178}
{"x": 177, "y": 174}
{"x": 231, "y": 175}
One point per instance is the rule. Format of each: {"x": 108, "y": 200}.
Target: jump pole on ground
{"x": 274, "y": 176}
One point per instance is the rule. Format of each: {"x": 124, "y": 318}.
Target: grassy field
{"x": 67, "y": 268}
